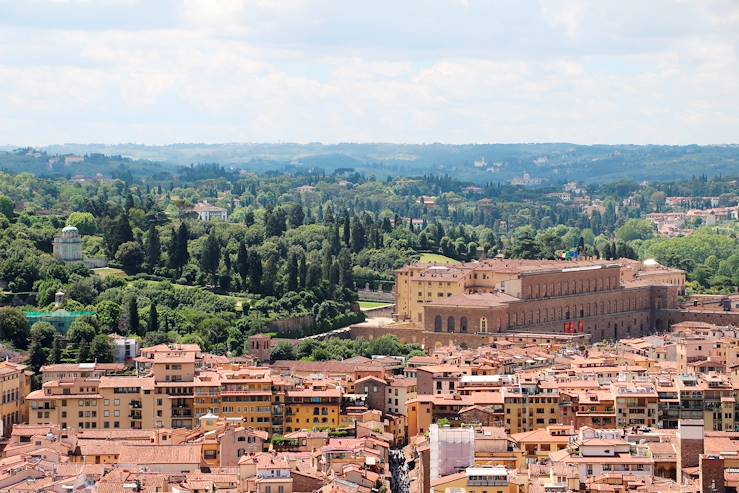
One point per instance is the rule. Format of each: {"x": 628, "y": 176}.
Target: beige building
{"x": 606, "y": 299}
{"x": 210, "y": 212}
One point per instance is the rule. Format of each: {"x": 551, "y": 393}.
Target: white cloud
{"x": 304, "y": 71}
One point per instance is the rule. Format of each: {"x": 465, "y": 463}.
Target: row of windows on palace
{"x": 549, "y": 315}
{"x": 561, "y": 288}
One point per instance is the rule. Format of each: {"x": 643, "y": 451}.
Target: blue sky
{"x": 455, "y": 71}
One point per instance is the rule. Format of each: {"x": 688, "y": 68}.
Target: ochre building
{"x": 606, "y": 299}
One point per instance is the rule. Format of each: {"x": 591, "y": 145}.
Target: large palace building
{"x": 605, "y": 299}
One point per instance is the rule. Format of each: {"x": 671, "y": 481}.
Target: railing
{"x": 487, "y": 482}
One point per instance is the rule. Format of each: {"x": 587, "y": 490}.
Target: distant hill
{"x": 551, "y": 163}
{"x": 70, "y": 164}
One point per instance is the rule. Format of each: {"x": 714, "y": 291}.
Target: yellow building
{"x": 15, "y": 383}
{"x": 247, "y": 393}
{"x": 524, "y": 412}
{"x": 314, "y": 408}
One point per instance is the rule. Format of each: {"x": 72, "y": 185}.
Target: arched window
{"x": 437, "y": 323}
{"x": 450, "y": 324}
{"x": 483, "y": 324}
{"x": 463, "y": 324}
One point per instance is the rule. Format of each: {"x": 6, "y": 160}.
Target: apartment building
{"x": 15, "y": 384}
{"x": 315, "y": 408}
{"x": 635, "y": 404}
{"x": 438, "y": 379}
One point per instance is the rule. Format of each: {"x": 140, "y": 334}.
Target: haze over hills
{"x": 549, "y": 162}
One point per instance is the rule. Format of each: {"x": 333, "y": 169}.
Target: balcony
{"x": 135, "y": 415}
{"x": 487, "y": 482}
{"x": 181, "y": 413}
{"x": 136, "y": 404}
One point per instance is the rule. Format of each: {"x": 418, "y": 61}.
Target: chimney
{"x": 711, "y": 473}
{"x": 690, "y": 444}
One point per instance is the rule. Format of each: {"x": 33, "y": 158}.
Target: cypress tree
{"x": 153, "y": 247}
{"x": 133, "y": 316}
{"x": 55, "y": 356}
{"x": 84, "y": 352}
{"x": 346, "y": 277}
{"x": 181, "y": 253}
{"x": 242, "y": 263}
{"x": 292, "y": 273}
{"x": 347, "y": 231}
{"x": 297, "y": 216}
{"x": 302, "y": 271}
{"x": 335, "y": 241}
{"x": 255, "y": 272}
{"x": 153, "y": 323}
{"x": 210, "y": 257}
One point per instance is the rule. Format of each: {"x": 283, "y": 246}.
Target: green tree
{"x": 83, "y": 356}
{"x": 297, "y": 216}
{"x": 100, "y": 349}
{"x": 274, "y": 221}
{"x": 255, "y": 272}
{"x": 306, "y": 348}
{"x": 37, "y": 355}
{"x": 108, "y": 314}
{"x": 180, "y": 253}
{"x": 7, "y": 206}
{"x": 303, "y": 271}
{"x": 346, "y": 277}
{"x": 83, "y": 221}
{"x": 210, "y": 257}
{"x": 55, "y": 355}
{"x": 524, "y": 245}
{"x": 81, "y": 330}
{"x": 152, "y": 324}
{"x": 292, "y": 272}
{"x": 153, "y": 247}
{"x": 117, "y": 233}
{"x": 283, "y": 351}
{"x": 130, "y": 255}
{"x": 347, "y": 231}
{"x": 43, "y": 332}
{"x": 635, "y": 229}
{"x": 358, "y": 240}
{"x": 133, "y": 316}
{"x": 242, "y": 263}
{"x": 14, "y": 327}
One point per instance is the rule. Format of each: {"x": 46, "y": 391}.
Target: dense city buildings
{"x": 572, "y": 384}
{"x": 650, "y": 413}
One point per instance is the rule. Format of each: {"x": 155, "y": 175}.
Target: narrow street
{"x": 400, "y": 480}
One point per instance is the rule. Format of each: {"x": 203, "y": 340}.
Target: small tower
{"x": 59, "y": 299}
{"x": 68, "y": 245}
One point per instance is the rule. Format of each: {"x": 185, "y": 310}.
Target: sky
{"x": 410, "y": 71}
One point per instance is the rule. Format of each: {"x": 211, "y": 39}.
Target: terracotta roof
{"x": 160, "y": 454}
